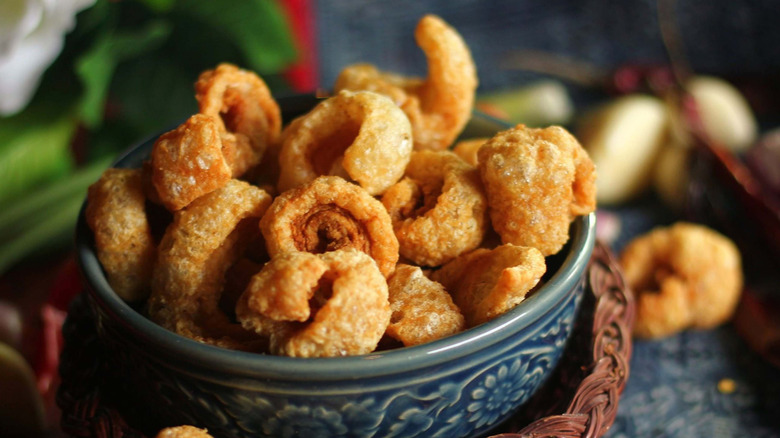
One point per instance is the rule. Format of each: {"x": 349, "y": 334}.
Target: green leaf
{"x": 55, "y": 229}
{"x": 168, "y": 95}
{"x": 38, "y": 203}
{"x": 96, "y": 17}
{"x": 257, "y": 27}
{"x": 159, "y": 5}
{"x": 42, "y": 222}
{"x": 113, "y": 137}
{"x": 96, "y": 67}
{"x": 34, "y": 148}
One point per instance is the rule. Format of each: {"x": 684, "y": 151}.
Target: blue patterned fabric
{"x": 673, "y": 389}
{"x": 721, "y": 37}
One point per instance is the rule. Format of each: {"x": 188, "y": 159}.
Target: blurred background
{"x": 83, "y": 80}
{"x": 724, "y": 38}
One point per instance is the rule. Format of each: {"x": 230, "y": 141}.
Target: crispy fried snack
{"x": 361, "y": 136}
{"x": 537, "y": 181}
{"x": 327, "y": 214}
{"x": 439, "y": 106}
{"x": 422, "y": 311}
{"x": 123, "y": 239}
{"x": 685, "y": 276}
{"x": 487, "y": 282}
{"x": 282, "y": 289}
{"x": 318, "y": 305}
{"x": 439, "y": 210}
{"x": 248, "y": 116}
{"x": 183, "y": 432}
{"x": 203, "y": 241}
{"x": 467, "y": 149}
{"x": 187, "y": 163}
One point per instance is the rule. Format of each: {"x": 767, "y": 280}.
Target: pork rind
{"x": 485, "y": 283}
{"x": 282, "y": 290}
{"x": 422, "y": 311}
{"x": 203, "y": 241}
{"x": 361, "y": 136}
{"x": 183, "y": 432}
{"x": 439, "y": 106}
{"x": 328, "y": 214}
{"x": 685, "y": 276}
{"x": 467, "y": 149}
{"x": 439, "y": 209}
{"x": 116, "y": 214}
{"x": 248, "y": 117}
{"x": 318, "y": 305}
{"x": 537, "y": 181}
{"x": 187, "y": 163}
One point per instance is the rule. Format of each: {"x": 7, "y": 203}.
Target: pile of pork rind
{"x": 359, "y": 225}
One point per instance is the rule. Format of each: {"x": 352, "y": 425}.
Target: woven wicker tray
{"x": 580, "y": 399}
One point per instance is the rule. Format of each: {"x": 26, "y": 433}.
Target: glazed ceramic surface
{"x": 462, "y": 385}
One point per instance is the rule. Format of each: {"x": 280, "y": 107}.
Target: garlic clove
{"x": 623, "y": 139}
{"x": 725, "y": 113}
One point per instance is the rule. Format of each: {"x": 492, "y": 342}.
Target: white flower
{"x": 32, "y": 33}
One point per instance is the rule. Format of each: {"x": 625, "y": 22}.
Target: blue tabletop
{"x": 679, "y": 387}
{"x": 699, "y": 383}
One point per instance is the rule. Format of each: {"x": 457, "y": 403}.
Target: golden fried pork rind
{"x": 203, "y": 241}
{"x": 183, "y": 432}
{"x": 422, "y": 311}
{"x": 485, "y": 283}
{"x": 467, "y": 149}
{"x": 116, "y": 214}
{"x": 685, "y": 276}
{"x": 439, "y": 106}
{"x": 327, "y": 214}
{"x": 187, "y": 163}
{"x": 282, "y": 289}
{"x": 537, "y": 181}
{"x": 318, "y": 305}
{"x": 361, "y": 136}
{"x": 439, "y": 209}
{"x": 248, "y": 117}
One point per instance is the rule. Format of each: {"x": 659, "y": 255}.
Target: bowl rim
{"x": 154, "y": 338}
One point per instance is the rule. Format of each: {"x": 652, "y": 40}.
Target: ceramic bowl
{"x": 460, "y": 386}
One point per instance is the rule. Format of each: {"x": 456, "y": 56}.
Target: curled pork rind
{"x": 685, "y": 276}
{"x": 327, "y": 214}
{"x": 248, "y": 117}
{"x": 537, "y": 181}
{"x": 330, "y": 304}
{"x": 187, "y": 163}
{"x": 439, "y": 106}
{"x": 203, "y": 241}
{"x": 183, "y": 432}
{"x": 361, "y": 136}
{"x": 116, "y": 214}
{"x": 282, "y": 290}
{"x": 439, "y": 209}
{"x": 485, "y": 283}
{"x": 422, "y": 311}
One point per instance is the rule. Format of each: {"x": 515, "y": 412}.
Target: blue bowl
{"x": 460, "y": 386}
